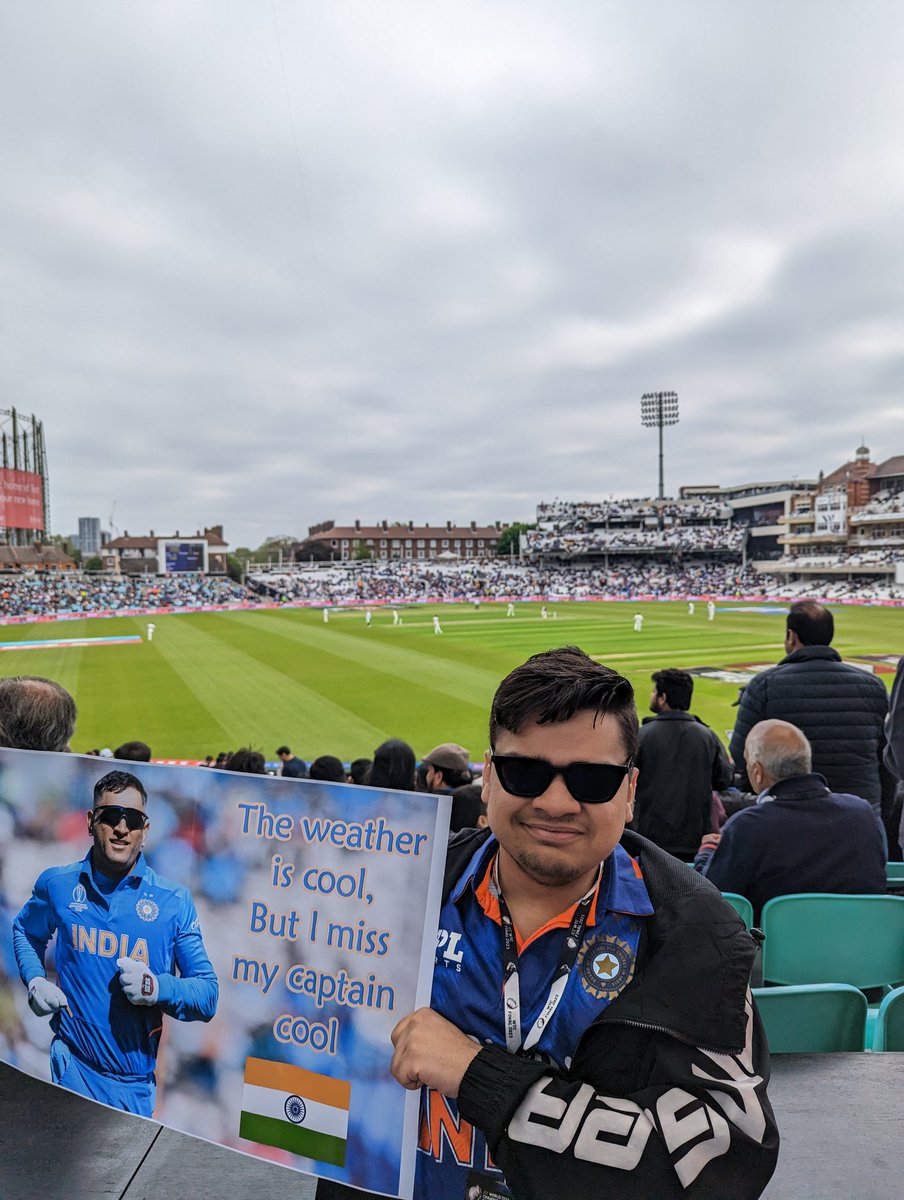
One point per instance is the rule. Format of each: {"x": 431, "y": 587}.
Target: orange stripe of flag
{"x": 308, "y": 1084}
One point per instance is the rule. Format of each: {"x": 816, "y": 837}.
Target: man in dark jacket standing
{"x": 839, "y": 708}
{"x": 680, "y": 761}
{"x": 894, "y": 760}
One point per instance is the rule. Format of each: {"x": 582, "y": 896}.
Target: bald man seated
{"x": 799, "y": 836}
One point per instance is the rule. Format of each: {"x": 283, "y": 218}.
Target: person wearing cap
{"x": 591, "y": 1030}
{"x": 445, "y": 768}
{"x": 123, "y": 933}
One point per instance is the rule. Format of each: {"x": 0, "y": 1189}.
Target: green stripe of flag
{"x": 308, "y": 1143}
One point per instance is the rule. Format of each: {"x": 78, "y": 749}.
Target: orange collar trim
{"x": 489, "y": 902}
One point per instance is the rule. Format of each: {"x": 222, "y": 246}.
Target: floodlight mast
{"x": 658, "y": 409}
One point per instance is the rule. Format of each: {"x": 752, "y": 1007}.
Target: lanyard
{"x": 511, "y": 990}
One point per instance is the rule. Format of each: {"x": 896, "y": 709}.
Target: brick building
{"x": 420, "y": 543}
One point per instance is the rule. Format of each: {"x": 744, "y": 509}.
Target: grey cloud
{"x": 430, "y": 275}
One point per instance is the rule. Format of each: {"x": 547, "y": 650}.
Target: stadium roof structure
{"x": 857, "y": 469}
{"x": 213, "y": 537}
{"x": 34, "y": 556}
{"x": 891, "y": 467}
{"x": 362, "y": 532}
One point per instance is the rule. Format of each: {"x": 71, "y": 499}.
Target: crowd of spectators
{"x": 410, "y": 583}
{"x": 44, "y": 595}
{"x": 626, "y": 575}
{"x": 687, "y": 538}
{"x": 883, "y": 502}
{"x": 879, "y": 556}
{"x": 562, "y": 513}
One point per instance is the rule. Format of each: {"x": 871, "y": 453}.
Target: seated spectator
{"x": 292, "y": 767}
{"x": 468, "y": 808}
{"x": 35, "y": 714}
{"x": 247, "y": 761}
{"x": 222, "y": 760}
{"x": 328, "y": 769}
{"x": 393, "y": 767}
{"x": 445, "y": 768}
{"x": 358, "y": 769}
{"x": 799, "y": 836}
{"x": 133, "y": 752}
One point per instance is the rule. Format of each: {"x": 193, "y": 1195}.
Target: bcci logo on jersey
{"x": 147, "y": 909}
{"x": 606, "y": 967}
{"x": 79, "y": 901}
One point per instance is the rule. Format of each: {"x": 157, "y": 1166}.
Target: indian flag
{"x": 297, "y": 1110}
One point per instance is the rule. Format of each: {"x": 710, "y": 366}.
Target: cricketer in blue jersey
{"x": 128, "y": 950}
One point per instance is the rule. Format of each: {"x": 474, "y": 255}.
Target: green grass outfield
{"x": 215, "y": 681}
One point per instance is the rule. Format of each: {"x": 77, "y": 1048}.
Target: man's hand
{"x": 45, "y": 997}
{"x": 431, "y": 1052}
{"x": 139, "y": 985}
{"x": 710, "y": 841}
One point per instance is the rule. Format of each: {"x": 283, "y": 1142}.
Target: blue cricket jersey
{"x": 453, "y": 1159}
{"x": 145, "y": 917}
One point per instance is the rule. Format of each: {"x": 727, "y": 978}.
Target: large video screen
{"x": 21, "y": 499}
{"x": 184, "y": 556}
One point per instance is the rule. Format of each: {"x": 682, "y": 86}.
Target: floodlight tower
{"x": 658, "y": 409}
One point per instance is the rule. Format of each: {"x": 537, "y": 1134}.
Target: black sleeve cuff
{"x": 493, "y": 1086}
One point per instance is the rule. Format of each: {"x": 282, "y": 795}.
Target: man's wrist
{"x": 493, "y": 1086}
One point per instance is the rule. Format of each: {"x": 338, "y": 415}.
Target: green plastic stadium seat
{"x": 894, "y": 872}
{"x": 812, "y": 1018}
{"x": 829, "y": 938}
{"x": 890, "y": 1022}
{"x": 742, "y": 907}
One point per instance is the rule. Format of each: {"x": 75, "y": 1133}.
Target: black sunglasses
{"x": 112, "y": 814}
{"x": 589, "y": 783}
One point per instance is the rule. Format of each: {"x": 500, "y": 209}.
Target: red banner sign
{"x": 21, "y": 499}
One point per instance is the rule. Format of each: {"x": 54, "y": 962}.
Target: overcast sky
{"x": 268, "y": 263}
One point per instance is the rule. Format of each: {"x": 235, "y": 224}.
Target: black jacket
{"x": 840, "y": 708}
{"x": 680, "y": 761}
{"x": 805, "y": 839}
{"x": 665, "y": 1098}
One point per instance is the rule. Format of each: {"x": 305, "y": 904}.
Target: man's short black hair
{"x": 467, "y": 807}
{"x": 677, "y": 687}
{"x": 116, "y": 782}
{"x": 328, "y": 769}
{"x": 358, "y": 769}
{"x": 133, "y": 752}
{"x": 556, "y": 685}
{"x": 283, "y": 750}
{"x": 35, "y": 714}
{"x": 813, "y": 624}
{"x": 247, "y": 762}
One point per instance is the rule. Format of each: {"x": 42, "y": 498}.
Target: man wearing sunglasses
{"x": 591, "y": 1030}
{"x": 128, "y": 950}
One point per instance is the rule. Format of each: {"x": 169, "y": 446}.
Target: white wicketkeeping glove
{"x": 139, "y": 985}
{"x": 45, "y": 997}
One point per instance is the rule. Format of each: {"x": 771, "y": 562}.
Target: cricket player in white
{"x": 151, "y": 629}
{"x": 638, "y": 622}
